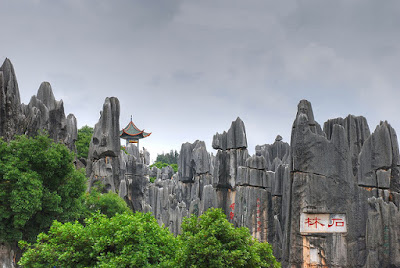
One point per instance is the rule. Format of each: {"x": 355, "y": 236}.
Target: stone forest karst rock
{"x": 329, "y": 199}
{"x": 43, "y": 113}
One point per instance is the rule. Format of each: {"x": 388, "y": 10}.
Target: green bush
{"x": 211, "y": 241}
{"x": 108, "y": 204}
{"x": 160, "y": 165}
{"x": 125, "y": 240}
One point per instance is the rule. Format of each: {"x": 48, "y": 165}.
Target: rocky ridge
{"x": 43, "y": 113}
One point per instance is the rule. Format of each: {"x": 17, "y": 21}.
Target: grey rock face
{"x": 105, "y": 140}
{"x": 314, "y": 153}
{"x": 10, "y": 102}
{"x": 256, "y": 162}
{"x": 146, "y": 157}
{"x": 193, "y": 160}
{"x": 383, "y": 234}
{"x": 304, "y": 107}
{"x": 104, "y": 149}
{"x": 133, "y": 150}
{"x": 200, "y": 158}
{"x": 235, "y": 138}
{"x": 232, "y": 180}
{"x": 226, "y": 167}
{"x": 185, "y": 166}
{"x": 46, "y": 96}
{"x": 43, "y": 113}
{"x": 380, "y": 152}
{"x": 326, "y": 179}
{"x": 274, "y": 154}
{"x": 357, "y": 131}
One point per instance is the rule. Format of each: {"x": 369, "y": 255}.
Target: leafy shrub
{"x": 108, "y": 204}
{"x": 125, "y": 240}
{"x": 212, "y": 241}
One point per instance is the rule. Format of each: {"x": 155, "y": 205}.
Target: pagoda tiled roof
{"x": 131, "y": 131}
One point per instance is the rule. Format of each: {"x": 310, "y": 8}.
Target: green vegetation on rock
{"x": 82, "y": 144}
{"x": 160, "y": 165}
{"x": 38, "y": 184}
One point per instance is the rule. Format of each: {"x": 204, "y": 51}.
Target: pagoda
{"x": 132, "y": 134}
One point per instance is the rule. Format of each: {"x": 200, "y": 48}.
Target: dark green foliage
{"x": 211, "y": 241}
{"x": 160, "y": 165}
{"x": 82, "y": 144}
{"x": 125, "y": 240}
{"x": 38, "y": 184}
{"x": 153, "y": 179}
{"x": 108, "y": 204}
{"x": 169, "y": 158}
{"x": 136, "y": 240}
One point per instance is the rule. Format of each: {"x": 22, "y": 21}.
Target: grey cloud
{"x": 191, "y": 67}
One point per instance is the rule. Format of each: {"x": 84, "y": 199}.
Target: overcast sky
{"x": 186, "y": 69}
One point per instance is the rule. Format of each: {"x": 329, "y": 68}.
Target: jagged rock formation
{"x": 232, "y": 180}
{"x": 105, "y": 148}
{"x": 274, "y": 154}
{"x": 43, "y": 113}
{"x": 10, "y": 102}
{"x": 342, "y": 171}
{"x": 342, "y": 177}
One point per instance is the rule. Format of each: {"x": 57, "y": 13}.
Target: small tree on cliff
{"x": 38, "y": 184}
{"x": 82, "y": 143}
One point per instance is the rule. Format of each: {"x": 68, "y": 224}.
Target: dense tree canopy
{"x": 38, "y": 184}
{"x": 169, "y": 158}
{"x": 211, "y": 241}
{"x": 82, "y": 143}
{"x": 108, "y": 204}
{"x": 125, "y": 240}
{"x": 136, "y": 240}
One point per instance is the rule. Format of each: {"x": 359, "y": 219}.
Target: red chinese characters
{"x": 323, "y": 223}
{"x": 314, "y": 221}
{"x": 258, "y": 215}
{"x": 231, "y": 214}
{"x": 336, "y": 222}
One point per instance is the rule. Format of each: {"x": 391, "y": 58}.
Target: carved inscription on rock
{"x": 323, "y": 223}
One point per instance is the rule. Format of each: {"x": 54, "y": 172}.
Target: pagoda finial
{"x": 131, "y": 118}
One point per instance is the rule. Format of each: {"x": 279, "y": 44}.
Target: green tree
{"x": 160, "y": 165}
{"x": 38, "y": 184}
{"x": 169, "y": 158}
{"x": 211, "y": 241}
{"x": 125, "y": 240}
{"x": 108, "y": 204}
{"x": 82, "y": 143}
